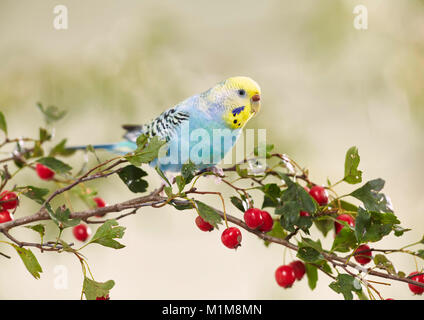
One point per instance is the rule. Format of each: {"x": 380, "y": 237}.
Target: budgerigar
{"x": 224, "y": 109}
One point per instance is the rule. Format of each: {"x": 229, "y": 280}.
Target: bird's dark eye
{"x": 242, "y": 92}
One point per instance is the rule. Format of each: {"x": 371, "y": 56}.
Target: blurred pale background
{"x": 326, "y": 86}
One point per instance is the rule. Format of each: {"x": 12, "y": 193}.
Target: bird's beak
{"x": 256, "y": 103}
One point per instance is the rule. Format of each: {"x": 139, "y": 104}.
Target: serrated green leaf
{"x": 344, "y": 240}
{"x": 61, "y": 150}
{"x": 106, "y": 234}
{"x": 312, "y": 274}
{"x": 61, "y": 217}
{"x": 382, "y": 262}
{"x": 40, "y": 228}
{"x": 188, "y": 170}
{"x": 208, "y": 214}
{"x": 346, "y": 284}
{"x": 352, "y": 174}
{"x": 29, "y": 260}
{"x": 371, "y": 197}
{"x": 324, "y": 225}
{"x": 44, "y": 135}
{"x": 34, "y": 193}
{"x": 309, "y": 254}
{"x": 132, "y": 177}
{"x": 93, "y": 289}
{"x": 147, "y": 153}
{"x": 55, "y": 164}
{"x": 373, "y": 226}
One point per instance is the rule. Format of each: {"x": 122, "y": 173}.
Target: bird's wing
{"x": 164, "y": 126}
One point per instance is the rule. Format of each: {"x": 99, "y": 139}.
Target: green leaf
{"x": 263, "y": 149}
{"x": 132, "y": 177}
{"x": 420, "y": 253}
{"x": 44, "y": 135}
{"x": 352, "y": 174}
{"x": 162, "y": 175}
{"x": 38, "y": 150}
{"x": 208, "y": 213}
{"x": 40, "y": 228}
{"x": 382, "y": 262}
{"x": 34, "y": 193}
{"x": 106, "y": 234}
{"x": 239, "y": 204}
{"x": 51, "y": 113}
{"x": 307, "y": 242}
{"x": 277, "y": 231}
{"x": 295, "y": 192}
{"x": 243, "y": 173}
{"x": 344, "y": 205}
{"x": 373, "y": 226}
{"x": 29, "y": 260}
{"x": 272, "y": 194}
{"x": 61, "y": 150}
{"x": 180, "y": 183}
{"x": 371, "y": 197}
{"x": 344, "y": 240}
{"x": 346, "y": 284}
{"x": 147, "y": 153}
{"x": 188, "y": 170}
{"x": 168, "y": 191}
{"x": 3, "y": 124}
{"x": 55, "y": 164}
{"x": 93, "y": 289}
{"x": 309, "y": 254}
{"x": 184, "y": 206}
{"x": 324, "y": 224}
{"x": 62, "y": 217}
{"x": 312, "y": 274}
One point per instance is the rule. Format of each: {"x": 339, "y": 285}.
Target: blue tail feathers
{"x": 122, "y": 147}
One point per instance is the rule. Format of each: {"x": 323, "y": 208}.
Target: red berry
{"x": 203, "y": 225}
{"x": 304, "y": 214}
{"x": 5, "y": 216}
{"x": 103, "y": 298}
{"x": 363, "y": 254}
{"x": 285, "y": 276}
{"x": 298, "y": 269}
{"x": 81, "y": 232}
{"x": 319, "y": 194}
{"x": 44, "y": 172}
{"x": 419, "y": 278}
{"x": 390, "y": 299}
{"x": 268, "y": 222}
{"x": 231, "y": 237}
{"x": 100, "y": 202}
{"x": 253, "y": 218}
{"x": 344, "y": 217}
{"x": 11, "y": 198}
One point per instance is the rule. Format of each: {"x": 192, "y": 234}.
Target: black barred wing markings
{"x": 164, "y": 126}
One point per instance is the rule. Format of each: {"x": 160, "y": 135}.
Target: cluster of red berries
{"x": 8, "y": 201}
{"x": 231, "y": 237}
{"x": 287, "y": 274}
{"x": 82, "y": 232}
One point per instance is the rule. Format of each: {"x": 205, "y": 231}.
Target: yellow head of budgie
{"x": 240, "y": 97}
